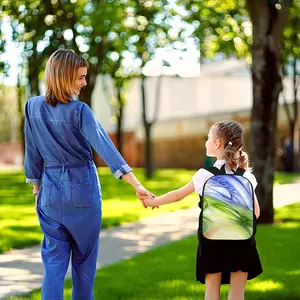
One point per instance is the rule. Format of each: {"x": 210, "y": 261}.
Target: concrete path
{"x": 21, "y": 270}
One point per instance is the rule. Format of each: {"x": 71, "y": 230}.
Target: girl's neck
{"x": 220, "y": 158}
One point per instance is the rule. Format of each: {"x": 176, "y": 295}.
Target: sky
{"x": 10, "y": 55}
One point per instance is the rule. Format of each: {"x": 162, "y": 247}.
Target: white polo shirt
{"x": 202, "y": 175}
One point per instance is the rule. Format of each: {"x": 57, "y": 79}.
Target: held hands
{"x": 150, "y": 202}
{"x": 144, "y": 194}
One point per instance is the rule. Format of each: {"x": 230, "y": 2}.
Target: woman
{"x": 59, "y": 133}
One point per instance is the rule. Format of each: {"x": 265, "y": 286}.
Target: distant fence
{"x": 184, "y": 152}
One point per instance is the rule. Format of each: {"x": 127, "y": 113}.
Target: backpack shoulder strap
{"x": 216, "y": 171}
{"x": 222, "y": 171}
{"x": 240, "y": 171}
{"x": 212, "y": 170}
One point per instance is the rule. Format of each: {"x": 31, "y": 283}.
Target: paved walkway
{"x": 21, "y": 270}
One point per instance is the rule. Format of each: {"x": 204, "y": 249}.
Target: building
{"x": 187, "y": 109}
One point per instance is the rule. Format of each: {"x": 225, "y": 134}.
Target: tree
{"x": 35, "y": 27}
{"x": 268, "y": 20}
{"x": 93, "y": 29}
{"x": 290, "y": 58}
{"x": 220, "y": 27}
{"x": 4, "y": 67}
{"x": 150, "y": 32}
{"x": 224, "y": 27}
{"x": 117, "y": 100}
{"x": 144, "y": 31}
{"x": 121, "y": 71}
{"x": 86, "y": 27}
{"x": 103, "y": 25}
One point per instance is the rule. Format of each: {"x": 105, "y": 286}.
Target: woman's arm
{"x": 172, "y": 196}
{"x": 98, "y": 138}
{"x": 33, "y": 162}
{"x": 132, "y": 180}
{"x": 141, "y": 192}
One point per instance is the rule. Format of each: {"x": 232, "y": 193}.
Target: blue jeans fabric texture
{"x": 58, "y": 157}
{"x": 64, "y": 135}
{"x": 69, "y": 211}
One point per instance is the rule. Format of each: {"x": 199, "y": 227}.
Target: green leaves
{"x": 100, "y": 30}
{"x": 221, "y": 27}
{"x": 110, "y": 32}
{"x": 291, "y": 49}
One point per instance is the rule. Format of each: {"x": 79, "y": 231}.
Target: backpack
{"x": 227, "y": 205}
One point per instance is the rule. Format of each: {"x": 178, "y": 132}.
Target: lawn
{"x": 19, "y": 225}
{"x": 282, "y": 177}
{"x": 168, "y": 272}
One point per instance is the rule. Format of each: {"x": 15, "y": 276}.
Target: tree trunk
{"x": 298, "y": 146}
{"x": 22, "y": 117}
{"x": 147, "y": 127}
{"x": 292, "y": 153}
{"x": 295, "y": 149}
{"x": 268, "y": 23}
{"x": 33, "y": 74}
{"x": 120, "y": 120}
{"x": 148, "y": 149}
{"x": 292, "y": 117}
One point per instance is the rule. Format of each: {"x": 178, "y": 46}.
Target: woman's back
{"x": 56, "y": 131}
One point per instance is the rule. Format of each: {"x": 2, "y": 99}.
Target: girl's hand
{"x": 142, "y": 194}
{"x": 150, "y": 202}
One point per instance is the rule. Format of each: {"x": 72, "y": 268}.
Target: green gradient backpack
{"x": 227, "y": 205}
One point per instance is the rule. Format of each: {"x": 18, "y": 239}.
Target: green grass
{"x": 19, "y": 225}
{"x": 282, "y": 177}
{"x": 168, "y": 272}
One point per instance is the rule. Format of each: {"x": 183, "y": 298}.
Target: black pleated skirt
{"x": 215, "y": 256}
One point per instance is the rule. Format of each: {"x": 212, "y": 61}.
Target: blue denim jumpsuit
{"x": 58, "y": 157}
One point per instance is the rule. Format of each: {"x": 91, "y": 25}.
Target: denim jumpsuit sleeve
{"x": 97, "y": 137}
{"x": 33, "y": 162}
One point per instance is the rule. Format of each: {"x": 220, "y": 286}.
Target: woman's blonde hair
{"x": 60, "y": 75}
{"x": 231, "y": 134}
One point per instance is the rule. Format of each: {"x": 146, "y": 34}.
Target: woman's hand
{"x": 142, "y": 193}
{"x": 35, "y": 193}
{"x": 36, "y": 198}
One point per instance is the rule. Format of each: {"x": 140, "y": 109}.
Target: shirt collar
{"x": 219, "y": 163}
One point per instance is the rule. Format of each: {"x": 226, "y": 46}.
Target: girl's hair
{"x": 60, "y": 75}
{"x": 231, "y": 134}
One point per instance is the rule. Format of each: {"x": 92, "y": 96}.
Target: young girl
{"x": 221, "y": 261}
{"x": 59, "y": 133}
